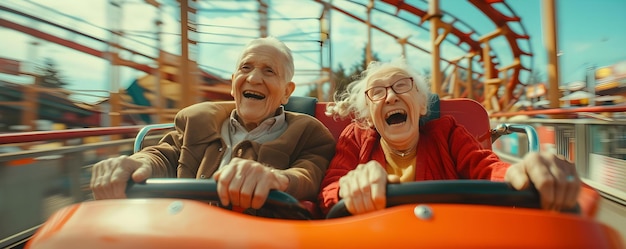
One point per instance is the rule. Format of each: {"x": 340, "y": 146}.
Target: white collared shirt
{"x": 234, "y": 132}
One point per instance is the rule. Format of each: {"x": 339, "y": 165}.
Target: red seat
{"x": 475, "y": 118}
{"x": 467, "y": 112}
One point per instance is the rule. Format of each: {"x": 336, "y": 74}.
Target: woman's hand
{"x": 364, "y": 188}
{"x": 247, "y": 183}
{"x": 554, "y": 177}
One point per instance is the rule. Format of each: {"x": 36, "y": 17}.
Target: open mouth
{"x": 253, "y": 95}
{"x": 396, "y": 117}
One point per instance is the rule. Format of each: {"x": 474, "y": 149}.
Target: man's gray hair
{"x": 289, "y": 67}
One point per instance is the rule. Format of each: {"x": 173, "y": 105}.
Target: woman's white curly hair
{"x": 352, "y": 103}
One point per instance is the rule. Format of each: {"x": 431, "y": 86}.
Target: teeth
{"x": 253, "y": 94}
{"x": 394, "y": 112}
{"x": 396, "y": 117}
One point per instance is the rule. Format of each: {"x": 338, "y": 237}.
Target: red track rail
{"x": 612, "y": 108}
{"x": 24, "y": 137}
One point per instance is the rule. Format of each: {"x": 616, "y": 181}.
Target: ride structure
{"x": 476, "y": 71}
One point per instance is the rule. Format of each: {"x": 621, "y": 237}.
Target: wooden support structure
{"x": 550, "y": 43}
{"x": 434, "y": 15}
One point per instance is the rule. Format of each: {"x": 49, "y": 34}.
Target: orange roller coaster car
{"x": 173, "y": 213}
{"x": 429, "y": 214}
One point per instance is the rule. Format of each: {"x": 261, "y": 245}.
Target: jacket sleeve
{"x": 471, "y": 160}
{"x": 163, "y": 157}
{"x": 316, "y": 146}
{"x": 193, "y": 125}
{"x": 346, "y": 159}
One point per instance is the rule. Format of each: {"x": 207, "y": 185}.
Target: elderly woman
{"x": 387, "y": 143}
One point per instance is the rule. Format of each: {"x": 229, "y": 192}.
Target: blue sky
{"x": 590, "y": 33}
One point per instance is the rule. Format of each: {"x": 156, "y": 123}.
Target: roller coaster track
{"x": 475, "y": 45}
{"x": 455, "y": 31}
{"x": 69, "y": 43}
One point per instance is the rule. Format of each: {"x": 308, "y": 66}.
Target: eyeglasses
{"x": 380, "y": 92}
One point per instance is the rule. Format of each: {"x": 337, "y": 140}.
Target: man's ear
{"x": 288, "y": 91}
{"x": 232, "y": 85}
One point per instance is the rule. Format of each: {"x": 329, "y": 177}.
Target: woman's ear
{"x": 423, "y": 105}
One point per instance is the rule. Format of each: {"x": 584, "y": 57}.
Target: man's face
{"x": 259, "y": 85}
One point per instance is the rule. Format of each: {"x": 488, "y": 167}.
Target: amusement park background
{"x": 107, "y": 67}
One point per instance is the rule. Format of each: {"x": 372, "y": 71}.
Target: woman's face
{"x": 396, "y": 116}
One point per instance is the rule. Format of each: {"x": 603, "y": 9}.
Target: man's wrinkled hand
{"x": 247, "y": 183}
{"x": 109, "y": 177}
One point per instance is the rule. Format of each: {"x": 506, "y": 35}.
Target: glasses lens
{"x": 376, "y": 93}
{"x": 403, "y": 85}
{"x": 380, "y": 92}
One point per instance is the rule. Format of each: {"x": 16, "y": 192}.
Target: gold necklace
{"x": 401, "y": 153}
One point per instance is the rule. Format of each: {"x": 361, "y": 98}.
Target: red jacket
{"x": 445, "y": 150}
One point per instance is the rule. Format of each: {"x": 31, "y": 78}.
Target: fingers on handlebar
{"x": 109, "y": 177}
{"x": 567, "y": 183}
{"x": 554, "y": 177}
{"x": 363, "y": 201}
{"x": 516, "y": 176}
{"x": 363, "y": 189}
{"x": 230, "y": 181}
{"x": 245, "y": 183}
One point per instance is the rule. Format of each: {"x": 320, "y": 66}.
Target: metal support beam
{"x": 368, "y": 48}
{"x": 434, "y": 14}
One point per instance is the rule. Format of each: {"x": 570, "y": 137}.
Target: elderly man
{"x": 249, "y": 147}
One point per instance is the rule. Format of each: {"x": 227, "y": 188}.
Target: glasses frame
{"x": 392, "y": 88}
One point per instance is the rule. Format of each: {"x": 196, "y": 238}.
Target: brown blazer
{"x": 195, "y": 148}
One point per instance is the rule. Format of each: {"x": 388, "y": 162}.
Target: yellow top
{"x": 402, "y": 166}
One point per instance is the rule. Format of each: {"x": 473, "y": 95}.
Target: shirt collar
{"x": 269, "y": 125}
